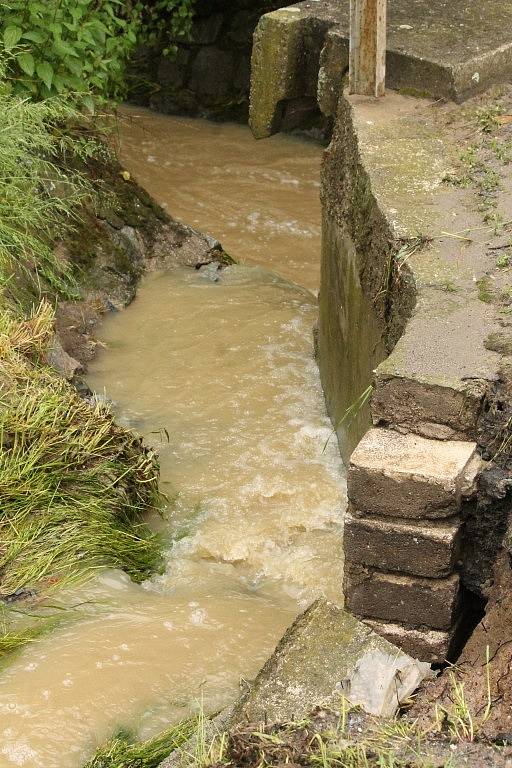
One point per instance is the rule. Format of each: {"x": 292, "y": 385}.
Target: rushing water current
{"x": 217, "y": 371}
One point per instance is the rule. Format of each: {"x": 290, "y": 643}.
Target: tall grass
{"x": 16, "y": 631}
{"x": 74, "y": 486}
{"x": 41, "y": 195}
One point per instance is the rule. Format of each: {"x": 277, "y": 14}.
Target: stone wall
{"x": 210, "y": 74}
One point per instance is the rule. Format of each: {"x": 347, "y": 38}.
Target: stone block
{"x": 324, "y": 655}
{"x": 275, "y": 62}
{"x": 424, "y": 644}
{"x": 409, "y": 476}
{"x": 206, "y": 30}
{"x": 392, "y": 544}
{"x": 173, "y": 70}
{"x": 413, "y": 601}
{"x": 58, "y": 358}
{"x": 333, "y": 65}
{"x": 212, "y": 73}
{"x": 285, "y": 64}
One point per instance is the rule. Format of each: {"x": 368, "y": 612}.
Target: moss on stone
{"x": 485, "y": 292}
{"x": 500, "y": 342}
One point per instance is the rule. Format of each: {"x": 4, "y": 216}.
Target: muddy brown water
{"x": 225, "y": 368}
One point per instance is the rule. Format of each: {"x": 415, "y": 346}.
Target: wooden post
{"x": 367, "y": 70}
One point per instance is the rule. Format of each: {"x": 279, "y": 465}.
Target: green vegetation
{"x": 12, "y": 640}
{"x": 74, "y": 485}
{"x": 503, "y": 260}
{"x": 486, "y": 117}
{"x": 448, "y": 286}
{"x": 18, "y": 627}
{"x": 80, "y": 47}
{"x": 485, "y": 292}
{"x": 482, "y": 162}
{"x": 41, "y": 194}
{"x": 124, "y": 752}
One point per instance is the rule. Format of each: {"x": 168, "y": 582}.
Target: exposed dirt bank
{"x": 112, "y": 249}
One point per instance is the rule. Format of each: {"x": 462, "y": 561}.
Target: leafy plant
{"x": 80, "y": 47}
{"x": 165, "y": 21}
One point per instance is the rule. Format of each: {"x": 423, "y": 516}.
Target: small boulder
{"x": 64, "y": 364}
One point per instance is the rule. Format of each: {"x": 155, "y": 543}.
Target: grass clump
{"x": 124, "y": 752}
{"x": 17, "y": 628}
{"x": 42, "y": 195}
{"x": 503, "y": 261}
{"x": 13, "y": 640}
{"x": 74, "y": 485}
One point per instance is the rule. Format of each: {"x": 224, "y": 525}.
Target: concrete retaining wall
{"x": 412, "y": 566}
{"x": 402, "y": 319}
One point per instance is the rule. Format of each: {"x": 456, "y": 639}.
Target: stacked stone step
{"x": 403, "y": 537}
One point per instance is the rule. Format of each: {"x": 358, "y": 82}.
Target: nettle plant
{"x": 81, "y": 47}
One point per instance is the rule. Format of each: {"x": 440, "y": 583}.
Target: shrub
{"x": 80, "y": 47}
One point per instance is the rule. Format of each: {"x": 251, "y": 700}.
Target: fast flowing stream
{"x": 225, "y": 369}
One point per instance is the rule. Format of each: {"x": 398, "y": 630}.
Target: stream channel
{"x": 223, "y": 365}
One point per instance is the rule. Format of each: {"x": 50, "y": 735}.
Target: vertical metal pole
{"x": 367, "y": 70}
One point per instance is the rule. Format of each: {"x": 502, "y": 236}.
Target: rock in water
{"x": 325, "y": 656}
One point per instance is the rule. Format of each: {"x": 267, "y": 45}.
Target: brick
{"x": 408, "y": 600}
{"x": 392, "y": 544}
{"x": 409, "y": 476}
{"x": 423, "y": 644}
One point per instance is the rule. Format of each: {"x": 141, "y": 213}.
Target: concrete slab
{"x": 438, "y": 48}
{"x": 435, "y": 49}
{"x": 325, "y": 656}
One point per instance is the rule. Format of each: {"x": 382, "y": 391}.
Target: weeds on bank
{"x": 351, "y": 413}
{"x": 481, "y": 163}
{"x": 41, "y": 194}
{"x": 17, "y": 627}
{"x": 123, "y": 751}
{"x": 462, "y": 724}
{"x": 12, "y": 640}
{"x": 74, "y": 486}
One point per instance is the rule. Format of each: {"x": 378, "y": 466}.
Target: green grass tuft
{"x": 42, "y": 145}
{"x": 123, "y": 752}
{"x": 74, "y": 485}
